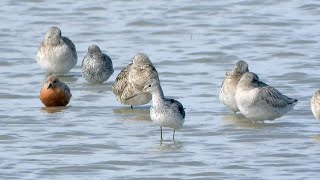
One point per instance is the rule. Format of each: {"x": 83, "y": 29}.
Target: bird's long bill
{"x": 132, "y": 96}
{"x": 229, "y": 74}
{"x": 49, "y": 86}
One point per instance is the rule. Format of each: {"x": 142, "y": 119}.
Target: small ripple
{"x": 14, "y": 96}
{"x": 310, "y": 7}
{"x": 208, "y": 174}
{"x": 146, "y": 23}
{"x": 237, "y": 167}
{"x": 96, "y": 8}
{"x": 301, "y": 42}
{"x": 293, "y": 75}
{"x": 7, "y": 137}
{"x": 207, "y": 53}
{"x": 20, "y": 75}
{"x": 161, "y": 32}
{"x": 273, "y": 24}
{"x": 193, "y": 163}
{"x": 6, "y": 63}
{"x": 173, "y": 74}
{"x": 78, "y": 169}
{"x": 288, "y": 55}
{"x": 54, "y": 109}
{"x": 10, "y": 50}
{"x": 64, "y": 149}
{"x": 285, "y": 155}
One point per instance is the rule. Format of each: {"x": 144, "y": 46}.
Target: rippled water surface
{"x": 192, "y": 45}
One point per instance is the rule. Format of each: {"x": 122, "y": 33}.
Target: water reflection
{"x": 52, "y": 110}
{"x": 317, "y": 138}
{"x": 241, "y": 121}
{"x": 169, "y": 145}
{"x": 128, "y": 110}
{"x": 137, "y": 113}
{"x": 97, "y": 87}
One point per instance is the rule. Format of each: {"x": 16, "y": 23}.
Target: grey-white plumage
{"x": 315, "y": 104}
{"x": 57, "y": 54}
{"x": 164, "y": 112}
{"x": 258, "y": 101}
{"x": 229, "y": 85}
{"x": 96, "y": 66}
{"x": 131, "y": 80}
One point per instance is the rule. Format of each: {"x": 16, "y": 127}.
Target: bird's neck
{"x": 246, "y": 86}
{"x": 157, "y": 96}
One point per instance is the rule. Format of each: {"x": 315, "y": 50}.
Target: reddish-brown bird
{"x": 54, "y": 92}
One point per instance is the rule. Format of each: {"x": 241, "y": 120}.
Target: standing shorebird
{"x": 229, "y": 85}
{"x": 258, "y": 101}
{"x": 96, "y": 66}
{"x": 54, "y": 92}
{"x": 132, "y": 79}
{"x": 57, "y": 54}
{"x": 164, "y": 112}
{"x": 315, "y": 104}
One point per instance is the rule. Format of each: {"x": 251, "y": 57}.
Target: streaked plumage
{"x": 96, "y": 66}
{"x": 55, "y": 92}
{"x": 229, "y": 85}
{"x": 315, "y": 104}
{"x": 258, "y": 101}
{"x": 132, "y": 79}
{"x": 57, "y": 54}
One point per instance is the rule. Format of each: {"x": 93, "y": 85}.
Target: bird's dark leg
{"x": 161, "y": 132}
{"x": 131, "y": 107}
{"x": 173, "y": 134}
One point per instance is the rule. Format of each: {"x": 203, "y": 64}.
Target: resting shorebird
{"x": 54, "y": 92}
{"x": 229, "y": 85}
{"x": 96, "y": 66}
{"x": 258, "y": 101}
{"x": 164, "y": 112}
{"x": 315, "y": 104}
{"x": 57, "y": 54}
{"x": 132, "y": 79}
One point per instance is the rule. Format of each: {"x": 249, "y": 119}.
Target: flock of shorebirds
{"x": 139, "y": 83}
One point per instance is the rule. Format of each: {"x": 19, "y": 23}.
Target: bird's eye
{"x": 150, "y": 85}
{"x": 54, "y": 81}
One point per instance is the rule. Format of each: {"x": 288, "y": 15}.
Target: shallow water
{"x": 192, "y": 45}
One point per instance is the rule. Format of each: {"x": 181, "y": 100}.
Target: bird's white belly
{"x": 260, "y": 112}
{"x": 254, "y": 108}
{"x": 57, "y": 59}
{"x": 229, "y": 100}
{"x": 166, "y": 118}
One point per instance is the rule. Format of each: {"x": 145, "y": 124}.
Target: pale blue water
{"x": 192, "y": 45}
